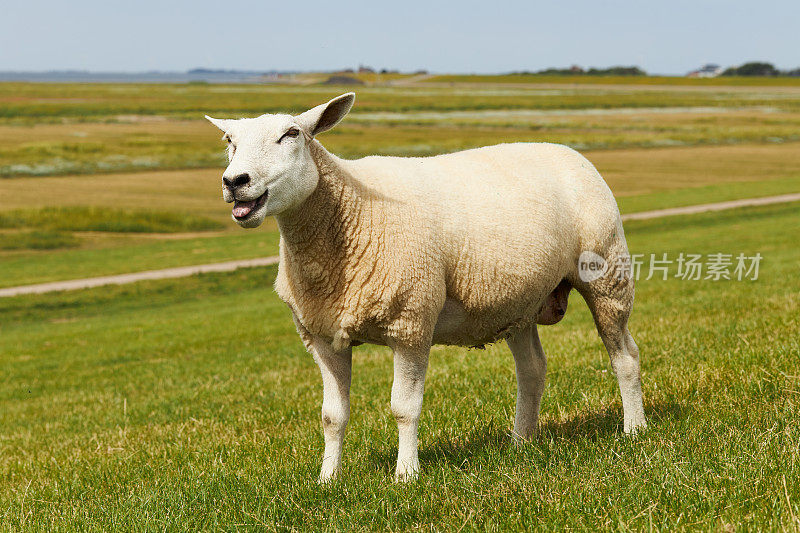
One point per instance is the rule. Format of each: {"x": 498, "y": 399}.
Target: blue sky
{"x": 487, "y": 36}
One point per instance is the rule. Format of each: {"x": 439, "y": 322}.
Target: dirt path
{"x": 121, "y": 279}
{"x": 228, "y": 266}
{"x": 719, "y": 206}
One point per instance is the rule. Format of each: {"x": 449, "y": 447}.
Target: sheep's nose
{"x": 238, "y": 181}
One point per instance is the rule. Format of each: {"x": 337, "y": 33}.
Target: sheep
{"x": 463, "y": 249}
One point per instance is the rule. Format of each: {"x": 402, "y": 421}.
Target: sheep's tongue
{"x": 242, "y": 209}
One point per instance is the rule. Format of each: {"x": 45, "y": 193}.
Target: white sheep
{"x": 462, "y": 249}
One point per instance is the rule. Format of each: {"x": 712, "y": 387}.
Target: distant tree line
{"x": 591, "y": 71}
{"x": 757, "y": 68}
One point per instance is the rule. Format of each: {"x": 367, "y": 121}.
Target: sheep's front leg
{"x": 336, "y": 370}
{"x": 407, "y": 390}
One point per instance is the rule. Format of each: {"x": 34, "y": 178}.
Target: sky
{"x": 490, "y": 36}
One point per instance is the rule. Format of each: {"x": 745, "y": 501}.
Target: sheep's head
{"x": 270, "y": 167}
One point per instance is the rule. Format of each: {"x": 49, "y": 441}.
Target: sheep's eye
{"x": 293, "y": 132}
{"x": 228, "y": 139}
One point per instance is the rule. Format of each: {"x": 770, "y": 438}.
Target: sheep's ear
{"x": 325, "y": 116}
{"x": 219, "y": 122}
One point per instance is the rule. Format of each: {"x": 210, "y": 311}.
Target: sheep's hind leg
{"x": 624, "y": 356}
{"x": 531, "y": 366}
{"x": 611, "y": 303}
{"x": 410, "y": 366}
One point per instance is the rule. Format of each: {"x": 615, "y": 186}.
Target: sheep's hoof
{"x": 327, "y": 476}
{"x": 519, "y": 442}
{"x": 406, "y": 474}
{"x": 635, "y": 428}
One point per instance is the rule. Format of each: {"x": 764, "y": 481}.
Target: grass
{"x": 59, "y": 149}
{"x": 96, "y": 218}
{"x": 642, "y": 179}
{"x": 672, "y": 81}
{"x": 679, "y": 171}
{"x": 721, "y": 192}
{"x": 27, "y": 103}
{"x": 631, "y": 172}
{"x": 69, "y": 129}
{"x": 122, "y": 254}
{"x": 86, "y": 148}
{"x": 195, "y": 192}
{"x": 54, "y": 227}
{"x": 165, "y": 405}
{"x": 37, "y": 240}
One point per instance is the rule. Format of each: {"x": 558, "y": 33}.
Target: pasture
{"x": 163, "y": 405}
{"x": 83, "y": 129}
{"x": 642, "y": 179}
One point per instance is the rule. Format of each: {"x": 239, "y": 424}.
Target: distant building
{"x": 710, "y": 70}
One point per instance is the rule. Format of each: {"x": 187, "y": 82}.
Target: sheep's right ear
{"x": 325, "y": 116}
{"x": 219, "y": 122}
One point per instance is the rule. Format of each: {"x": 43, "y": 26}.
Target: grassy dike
{"x": 190, "y": 404}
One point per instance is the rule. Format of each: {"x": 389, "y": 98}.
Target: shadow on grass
{"x": 607, "y": 421}
{"x": 493, "y": 439}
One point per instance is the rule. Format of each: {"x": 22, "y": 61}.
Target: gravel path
{"x": 228, "y": 266}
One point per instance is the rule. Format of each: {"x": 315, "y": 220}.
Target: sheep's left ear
{"x": 325, "y": 116}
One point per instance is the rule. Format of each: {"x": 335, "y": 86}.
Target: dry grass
{"x": 79, "y": 131}
{"x": 153, "y": 143}
{"x": 32, "y": 103}
{"x": 642, "y": 179}
{"x": 634, "y": 172}
{"x": 54, "y": 129}
{"x": 194, "y": 191}
{"x": 628, "y": 172}
{"x": 667, "y": 82}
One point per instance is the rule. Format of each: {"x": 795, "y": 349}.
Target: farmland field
{"x": 69, "y": 129}
{"x": 163, "y": 405}
{"x": 146, "y": 147}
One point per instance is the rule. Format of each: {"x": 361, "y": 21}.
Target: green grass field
{"x": 190, "y": 404}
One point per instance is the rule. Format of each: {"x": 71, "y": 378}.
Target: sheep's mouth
{"x": 243, "y": 210}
